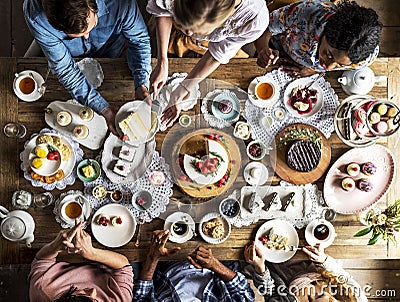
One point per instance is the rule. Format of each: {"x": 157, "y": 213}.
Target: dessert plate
{"x": 234, "y": 113}
{"x": 212, "y": 240}
{"x": 356, "y": 201}
{"x": 282, "y": 228}
{"x": 36, "y": 94}
{"x": 129, "y": 108}
{"x": 255, "y": 180}
{"x": 180, "y": 216}
{"x": 92, "y": 70}
{"x": 302, "y": 82}
{"x": 114, "y": 236}
{"x": 252, "y": 95}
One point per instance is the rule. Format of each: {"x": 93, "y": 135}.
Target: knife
{"x": 287, "y": 201}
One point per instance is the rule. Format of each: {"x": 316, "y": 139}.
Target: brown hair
{"x": 69, "y": 16}
{"x": 190, "y": 13}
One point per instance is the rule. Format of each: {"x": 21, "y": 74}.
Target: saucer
{"x": 311, "y": 240}
{"x": 252, "y": 95}
{"x": 177, "y": 216}
{"x": 234, "y": 114}
{"x": 35, "y": 95}
{"x": 68, "y": 196}
{"x": 254, "y": 181}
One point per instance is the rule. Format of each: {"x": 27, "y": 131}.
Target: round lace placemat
{"x": 60, "y": 184}
{"x": 323, "y": 120}
{"x": 160, "y": 193}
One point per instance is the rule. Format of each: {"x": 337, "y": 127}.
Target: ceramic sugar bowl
{"x": 17, "y": 226}
{"x": 359, "y": 81}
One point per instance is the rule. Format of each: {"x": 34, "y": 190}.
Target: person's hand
{"x": 174, "y": 106}
{"x": 295, "y": 70}
{"x": 157, "y": 248}
{"x": 159, "y": 76}
{"x": 315, "y": 253}
{"x": 267, "y": 56}
{"x": 141, "y": 93}
{"x": 109, "y": 114}
{"x": 83, "y": 242}
{"x": 202, "y": 257}
{"x": 65, "y": 238}
{"x": 253, "y": 255}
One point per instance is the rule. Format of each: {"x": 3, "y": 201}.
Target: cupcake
{"x": 348, "y": 184}
{"x": 103, "y": 219}
{"x": 368, "y": 168}
{"x": 225, "y": 106}
{"x": 353, "y": 169}
{"x": 64, "y": 118}
{"x": 81, "y": 131}
{"x": 364, "y": 185}
{"x": 86, "y": 113}
{"x": 116, "y": 221}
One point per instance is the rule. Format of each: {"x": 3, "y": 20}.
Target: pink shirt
{"x": 49, "y": 279}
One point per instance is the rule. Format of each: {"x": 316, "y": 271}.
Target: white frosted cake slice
{"x": 126, "y": 153}
{"x": 138, "y": 124}
{"x": 122, "y": 168}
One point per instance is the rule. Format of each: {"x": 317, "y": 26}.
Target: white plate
{"x": 92, "y": 70}
{"x": 180, "y": 216}
{"x": 66, "y": 166}
{"x": 283, "y": 228}
{"x": 141, "y": 160}
{"x": 235, "y": 112}
{"x": 35, "y": 95}
{"x": 227, "y": 227}
{"x": 68, "y": 196}
{"x": 303, "y": 82}
{"x": 114, "y": 236}
{"x": 124, "y": 112}
{"x": 311, "y": 240}
{"x": 49, "y": 167}
{"x": 254, "y": 181}
{"x": 252, "y": 95}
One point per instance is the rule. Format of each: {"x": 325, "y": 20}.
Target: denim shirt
{"x": 119, "y": 21}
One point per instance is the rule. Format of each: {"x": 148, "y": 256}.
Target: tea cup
{"x": 25, "y": 84}
{"x": 322, "y": 231}
{"x": 264, "y": 91}
{"x": 179, "y": 228}
{"x": 71, "y": 210}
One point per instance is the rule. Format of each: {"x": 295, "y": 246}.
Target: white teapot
{"x": 17, "y": 225}
{"x": 359, "y": 81}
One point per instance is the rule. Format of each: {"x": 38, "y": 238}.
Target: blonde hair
{"x": 193, "y": 13}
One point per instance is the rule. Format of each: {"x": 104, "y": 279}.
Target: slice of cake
{"x": 126, "y": 153}
{"x": 303, "y": 156}
{"x": 138, "y": 124}
{"x": 121, "y": 168}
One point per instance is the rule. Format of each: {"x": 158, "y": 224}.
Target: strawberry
{"x": 124, "y": 137}
{"x": 264, "y": 239}
{"x": 119, "y": 220}
{"x": 214, "y": 160}
{"x": 204, "y": 170}
{"x": 219, "y": 185}
{"x": 212, "y": 169}
{"x": 199, "y": 164}
{"x": 51, "y": 156}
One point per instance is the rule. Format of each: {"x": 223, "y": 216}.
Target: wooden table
{"x": 117, "y": 88}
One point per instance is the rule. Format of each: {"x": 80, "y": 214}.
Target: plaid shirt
{"x": 216, "y": 290}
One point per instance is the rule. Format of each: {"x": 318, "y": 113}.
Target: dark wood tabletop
{"x": 117, "y": 88}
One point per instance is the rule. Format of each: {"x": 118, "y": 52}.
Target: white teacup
{"x": 25, "y": 84}
{"x": 256, "y": 172}
{"x": 71, "y": 210}
{"x": 323, "y": 231}
{"x": 264, "y": 91}
{"x": 179, "y": 228}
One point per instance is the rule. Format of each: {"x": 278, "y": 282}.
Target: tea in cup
{"x": 264, "y": 91}
{"x": 322, "y": 231}
{"x": 179, "y": 228}
{"x": 25, "y": 84}
{"x": 71, "y": 210}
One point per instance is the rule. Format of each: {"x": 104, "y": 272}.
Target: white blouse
{"x": 247, "y": 23}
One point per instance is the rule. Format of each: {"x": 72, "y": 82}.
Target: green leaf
{"x": 374, "y": 239}
{"x": 363, "y": 232}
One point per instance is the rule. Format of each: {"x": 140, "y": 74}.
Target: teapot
{"x": 17, "y": 225}
{"x": 359, "y": 81}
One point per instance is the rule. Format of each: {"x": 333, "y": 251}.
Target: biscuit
{"x": 44, "y": 139}
{"x": 57, "y": 141}
{"x": 50, "y": 179}
{"x": 214, "y": 228}
{"x": 36, "y": 176}
{"x": 66, "y": 152}
{"x": 218, "y": 232}
{"x": 59, "y": 175}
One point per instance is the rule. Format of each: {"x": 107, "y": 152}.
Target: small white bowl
{"x": 263, "y": 150}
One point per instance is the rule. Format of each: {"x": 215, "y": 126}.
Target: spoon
{"x": 141, "y": 221}
{"x": 312, "y": 83}
{"x": 42, "y": 88}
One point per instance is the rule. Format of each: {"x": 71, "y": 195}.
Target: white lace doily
{"x": 60, "y": 184}
{"x": 311, "y": 208}
{"x": 323, "y": 120}
{"x": 210, "y": 118}
{"x": 160, "y": 194}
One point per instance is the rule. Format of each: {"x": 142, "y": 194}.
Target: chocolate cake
{"x": 303, "y": 155}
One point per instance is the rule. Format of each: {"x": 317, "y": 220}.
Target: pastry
{"x": 86, "y": 113}
{"x": 275, "y": 241}
{"x": 44, "y": 139}
{"x": 81, "y": 131}
{"x": 225, "y": 106}
{"x": 59, "y": 174}
{"x": 126, "y": 153}
{"x": 88, "y": 171}
{"x": 116, "y": 221}
{"x": 360, "y": 128}
{"x": 368, "y": 168}
{"x": 392, "y": 111}
{"x": 64, "y": 118}
{"x": 374, "y": 117}
{"x": 303, "y": 155}
{"x": 365, "y": 185}
{"x": 214, "y": 228}
{"x": 66, "y": 152}
{"x": 138, "y": 124}
{"x": 121, "y": 168}
{"x": 57, "y": 141}
{"x": 381, "y": 127}
{"x": 348, "y": 184}
{"x": 103, "y": 219}
{"x": 360, "y": 115}
{"x": 353, "y": 169}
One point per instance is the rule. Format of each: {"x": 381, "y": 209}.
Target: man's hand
{"x": 141, "y": 93}
{"x": 267, "y": 56}
{"x": 159, "y": 76}
{"x": 109, "y": 114}
{"x": 253, "y": 255}
{"x": 158, "y": 250}
{"x": 315, "y": 253}
{"x": 83, "y": 242}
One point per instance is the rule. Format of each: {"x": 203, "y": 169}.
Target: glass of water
{"x": 14, "y": 130}
{"x": 43, "y": 200}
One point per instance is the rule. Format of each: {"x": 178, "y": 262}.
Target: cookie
{"x": 59, "y": 175}
{"x": 218, "y": 232}
{"x": 66, "y": 152}
{"x": 57, "y": 141}
{"x": 44, "y": 139}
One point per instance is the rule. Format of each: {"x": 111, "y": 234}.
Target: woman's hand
{"x": 141, "y": 93}
{"x": 174, "y": 106}
{"x": 315, "y": 253}
{"x": 158, "y": 250}
{"x": 83, "y": 242}
{"x": 296, "y": 70}
{"x": 253, "y": 255}
{"x": 159, "y": 76}
{"x": 267, "y": 56}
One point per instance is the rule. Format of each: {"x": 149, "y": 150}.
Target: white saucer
{"x": 68, "y": 196}
{"x": 254, "y": 181}
{"x": 180, "y": 216}
{"x": 252, "y": 96}
{"x": 311, "y": 240}
{"x": 35, "y": 95}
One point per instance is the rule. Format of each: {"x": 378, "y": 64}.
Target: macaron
{"x": 381, "y": 127}
{"x": 382, "y": 109}
{"x": 374, "y": 117}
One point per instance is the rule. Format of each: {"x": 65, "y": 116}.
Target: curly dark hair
{"x": 68, "y": 296}
{"x": 69, "y": 16}
{"x": 355, "y": 29}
